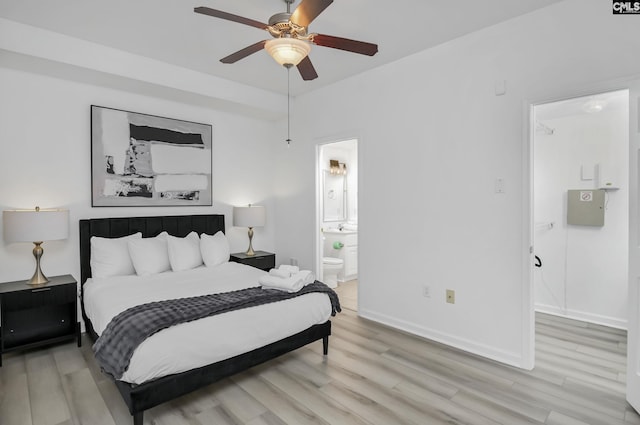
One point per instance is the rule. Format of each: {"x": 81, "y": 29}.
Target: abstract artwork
{"x": 145, "y": 160}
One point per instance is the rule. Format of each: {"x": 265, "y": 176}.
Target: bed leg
{"x": 137, "y": 418}
{"x": 325, "y": 345}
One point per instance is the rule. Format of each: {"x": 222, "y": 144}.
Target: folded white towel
{"x": 307, "y": 276}
{"x": 280, "y": 273}
{"x": 288, "y": 268}
{"x": 290, "y": 284}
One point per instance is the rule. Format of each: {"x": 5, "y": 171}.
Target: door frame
{"x": 319, "y": 243}
{"x": 633, "y": 313}
{"x": 528, "y": 301}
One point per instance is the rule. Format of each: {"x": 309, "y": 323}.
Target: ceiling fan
{"x": 290, "y": 45}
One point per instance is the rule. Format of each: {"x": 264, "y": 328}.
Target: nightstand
{"x": 35, "y": 315}
{"x": 262, "y": 260}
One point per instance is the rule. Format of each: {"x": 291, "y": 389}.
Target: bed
{"x": 140, "y": 396}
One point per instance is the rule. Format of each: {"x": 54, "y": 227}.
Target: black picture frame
{"x": 142, "y": 160}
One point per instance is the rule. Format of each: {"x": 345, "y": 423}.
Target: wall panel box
{"x": 585, "y": 207}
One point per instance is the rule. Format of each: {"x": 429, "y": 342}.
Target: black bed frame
{"x": 149, "y": 394}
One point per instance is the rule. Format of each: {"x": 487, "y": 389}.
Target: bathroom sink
{"x": 341, "y": 232}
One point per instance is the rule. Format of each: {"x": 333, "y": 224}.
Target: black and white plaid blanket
{"x": 127, "y": 330}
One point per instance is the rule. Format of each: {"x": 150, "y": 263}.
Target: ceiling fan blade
{"x": 241, "y": 54}
{"x": 229, "y": 17}
{"x": 309, "y": 10}
{"x": 354, "y": 46}
{"x": 307, "y": 71}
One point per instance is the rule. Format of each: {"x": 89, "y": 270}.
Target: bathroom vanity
{"x": 347, "y": 253}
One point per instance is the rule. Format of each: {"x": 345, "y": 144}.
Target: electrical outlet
{"x": 499, "y": 185}
{"x": 293, "y": 261}
{"x": 451, "y": 296}
{"x": 426, "y": 291}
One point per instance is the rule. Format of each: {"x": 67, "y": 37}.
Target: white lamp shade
{"x": 35, "y": 226}
{"x": 251, "y": 216}
{"x": 287, "y": 51}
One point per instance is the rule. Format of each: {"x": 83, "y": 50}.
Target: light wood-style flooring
{"x": 348, "y": 294}
{"x": 372, "y": 375}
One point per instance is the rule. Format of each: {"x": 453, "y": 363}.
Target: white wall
{"x": 45, "y": 161}
{"x": 584, "y": 270}
{"x": 433, "y": 118}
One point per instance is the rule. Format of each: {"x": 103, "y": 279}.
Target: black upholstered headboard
{"x": 176, "y": 225}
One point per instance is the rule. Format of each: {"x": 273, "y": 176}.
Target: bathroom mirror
{"x": 334, "y": 199}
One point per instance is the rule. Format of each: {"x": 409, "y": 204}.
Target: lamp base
{"x": 38, "y": 277}
{"x": 250, "y": 252}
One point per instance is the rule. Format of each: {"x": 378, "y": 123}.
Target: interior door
{"x": 633, "y": 333}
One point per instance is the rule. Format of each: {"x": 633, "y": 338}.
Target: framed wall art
{"x": 146, "y": 160}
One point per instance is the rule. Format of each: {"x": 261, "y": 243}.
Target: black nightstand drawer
{"x": 32, "y": 316}
{"x": 39, "y": 324}
{"x": 37, "y": 297}
{"x": 261, "y": 260}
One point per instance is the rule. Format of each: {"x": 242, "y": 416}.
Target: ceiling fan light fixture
{"x": 287, "y": 50}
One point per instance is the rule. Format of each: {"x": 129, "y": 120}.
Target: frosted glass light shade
{"x": 35, "y": 226}
{"x": 287, "y": 51}
{"x": 251, "y": 216}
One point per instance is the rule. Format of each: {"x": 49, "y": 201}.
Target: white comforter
{"x": 201, "y": 342}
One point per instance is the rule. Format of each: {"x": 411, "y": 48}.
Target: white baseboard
{"x": 613, "y": 322}
{"x": 512, "y": 359}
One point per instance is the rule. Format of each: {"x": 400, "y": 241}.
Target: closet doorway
{"x": 337, "y": 218}
{"x": 581, "y": 208}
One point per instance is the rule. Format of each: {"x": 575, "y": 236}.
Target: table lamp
{"x": 36, "y": 226}
{"x": 250, "y": 216}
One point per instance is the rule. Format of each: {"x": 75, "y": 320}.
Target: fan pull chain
{"x": 288, "y": 106}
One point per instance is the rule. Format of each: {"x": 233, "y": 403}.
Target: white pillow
{"x": 110, "y": 256}
{"x": 215, "y": 249}
{"x": 184, "y": 253}
{"x": 149, "y": 255}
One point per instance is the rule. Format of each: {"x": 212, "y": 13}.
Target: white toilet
{"x": 330, "y": 268}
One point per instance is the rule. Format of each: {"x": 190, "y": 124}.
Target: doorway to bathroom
{"x": 337, "y": 218}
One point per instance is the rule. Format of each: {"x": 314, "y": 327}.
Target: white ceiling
{"x": 609, "y": 101}
{"x": 169, "y": 31}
